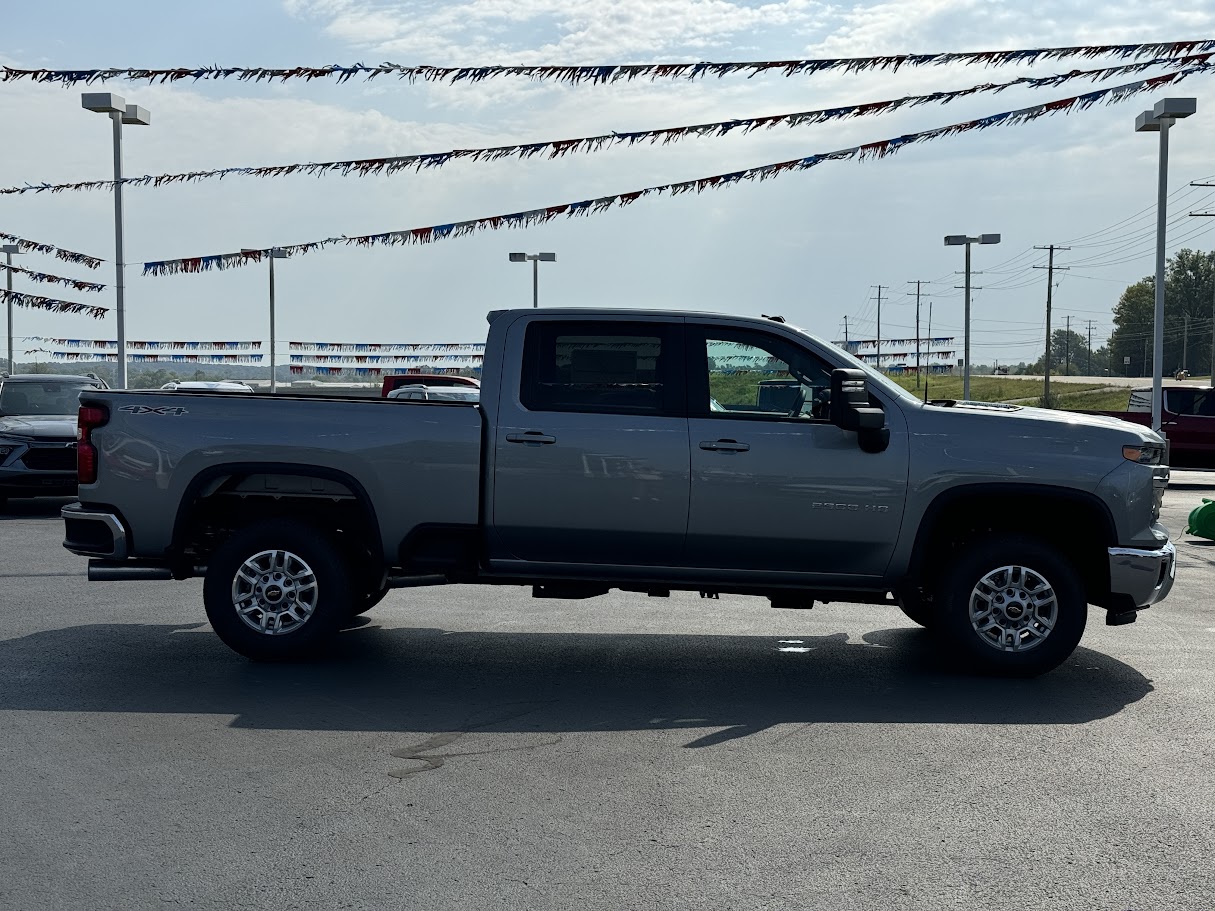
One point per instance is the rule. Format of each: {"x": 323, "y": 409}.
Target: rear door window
{"x": 605, "y": 367}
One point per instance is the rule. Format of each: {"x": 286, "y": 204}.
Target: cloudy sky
{"x": 810, "y": 245}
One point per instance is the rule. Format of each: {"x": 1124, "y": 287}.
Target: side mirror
{"x": 850, "y": 410}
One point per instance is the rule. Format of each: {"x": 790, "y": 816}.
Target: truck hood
{"x": 39, "y": 427}
{"x": 1050, "y": 421}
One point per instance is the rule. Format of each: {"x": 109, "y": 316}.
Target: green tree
{"x": 1189, "y": 290}
{"x": 1070, "y": 349}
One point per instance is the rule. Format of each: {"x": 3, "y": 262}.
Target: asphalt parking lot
{"x": 475, "y": 748}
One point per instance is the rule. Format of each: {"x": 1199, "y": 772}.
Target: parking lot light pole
{"x": 536, "y": 259}
{"x": 9, "y": 250}
{"x": 1158, "y": 120}
{"x": 958, "y": 240}
{"x": 120, "y": 113}
{"x": 272, "y": 254}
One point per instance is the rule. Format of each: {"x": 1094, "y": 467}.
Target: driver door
{"x": 775, "y": 486}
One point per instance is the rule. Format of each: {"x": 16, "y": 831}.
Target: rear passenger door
{"x": 1189, "y": 419}
{"x": 591, "y": 448}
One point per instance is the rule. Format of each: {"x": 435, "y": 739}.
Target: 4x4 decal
{"x": 150, "y": 409}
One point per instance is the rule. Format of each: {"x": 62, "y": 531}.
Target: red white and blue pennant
{"x": 35, "y": 302}
{"x": 556, "y": 148}
{"x": 607, "y": 73}
{"x": 868, "y": 151}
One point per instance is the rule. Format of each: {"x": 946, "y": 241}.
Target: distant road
{"x": 1127, "y": 381}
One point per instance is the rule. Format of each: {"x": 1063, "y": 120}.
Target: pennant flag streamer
{"x": 872, "y": 150}
{"x": 154, "y": 358}
{"x": 33, "y": 246}
{"x": 556, "y": 148}
{"x": 74, "y": 283}
{"x": 55, "y": 306}
{"x": 298, "y": 369}
{"x": 608, "y": 73}
{"x": 362, "y": 347}
{"x": 142, "y": 345}
{"x": 387, "y": 358}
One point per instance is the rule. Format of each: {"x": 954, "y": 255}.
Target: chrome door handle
{"x": 724, "y": 446}
{"x": 532, "y": 436}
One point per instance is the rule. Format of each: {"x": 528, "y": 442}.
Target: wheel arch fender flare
{"x": 209, "y": 479}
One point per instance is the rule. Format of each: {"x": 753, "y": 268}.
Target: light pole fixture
{"x": 9, "y": 250}
{"x": 958, "y": 240}
{"x": 536, "y": 259}
{"x": 272, "y": 254}
{"x": 1158, "y": 120}
{"x": 116, "y": 107}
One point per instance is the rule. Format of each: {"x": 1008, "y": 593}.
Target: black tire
{"x": 1022, "y": 639}
{"x": 370, "y": 600}
{"x": 918, "y": 610}
{"x": 310, "y": 586}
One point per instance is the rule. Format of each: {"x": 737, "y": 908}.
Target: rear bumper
{"x": 1145, "y": 576}
{"x": 94, "y": 533}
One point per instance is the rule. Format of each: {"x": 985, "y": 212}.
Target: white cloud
{"x": 533, "y": 31}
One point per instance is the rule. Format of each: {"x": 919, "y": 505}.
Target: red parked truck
{"x": 1187, "y": 420}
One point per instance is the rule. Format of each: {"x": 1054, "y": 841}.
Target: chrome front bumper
{"x": 1145, "y": 576}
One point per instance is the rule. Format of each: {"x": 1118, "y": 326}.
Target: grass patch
{"x": 994, "y": 388}
{"x": 1109, "y": 400}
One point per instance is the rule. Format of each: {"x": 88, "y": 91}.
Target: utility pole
{"x": 880, "y": 289}
{"x": 845, "y": 333}
{"x": 1207, "y": 215}
{"x": 929, "y": 350}
{"x": 1050, "y": 284}
{"x": 1067, "y": 347}
{"x": 1088, "y": 369}
{"x": 917, "y": 283}
{"x": 1185, "y": 343}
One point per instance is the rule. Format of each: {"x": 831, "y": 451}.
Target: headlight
{"x": 1144, "y": 453}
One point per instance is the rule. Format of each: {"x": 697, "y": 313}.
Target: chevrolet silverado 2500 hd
{"x": 640, "y": 450}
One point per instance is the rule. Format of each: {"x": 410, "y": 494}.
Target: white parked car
{"x": 207, "y": 386}
{"x": 421, "y": 393}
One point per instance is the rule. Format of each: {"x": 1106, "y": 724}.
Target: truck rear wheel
{"x": 277, "y": 591}
{"x": 1012, "y": 605}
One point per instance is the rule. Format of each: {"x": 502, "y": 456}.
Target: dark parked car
{"x": 38, "y": 434}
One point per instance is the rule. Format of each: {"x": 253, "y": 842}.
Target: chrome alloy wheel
{"x": 1013, "y": 609}
{"x": 274, "y": 592}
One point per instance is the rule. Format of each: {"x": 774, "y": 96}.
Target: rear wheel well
{"x": 219, "y": 505}
{"x": 1076, "y": 526}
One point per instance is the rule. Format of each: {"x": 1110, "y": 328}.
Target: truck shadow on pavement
{"x": 434, "y": 681}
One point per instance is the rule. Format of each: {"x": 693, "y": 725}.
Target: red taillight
{"x": 90, "y": 418}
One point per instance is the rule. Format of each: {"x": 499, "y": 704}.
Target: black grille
{"x": 58, "y": 458}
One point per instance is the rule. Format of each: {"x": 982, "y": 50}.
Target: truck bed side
{"x": 397, "y": 465}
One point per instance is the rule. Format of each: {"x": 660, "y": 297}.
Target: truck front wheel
{"x": 277, "y": 591}
{"x": 1012, "y": 605}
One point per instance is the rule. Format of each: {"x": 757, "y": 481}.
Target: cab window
{"x": 748, "y": 374}
{"x": 608, "y": 367}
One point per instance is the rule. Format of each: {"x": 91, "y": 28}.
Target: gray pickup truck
{"x": 639, "y": 450}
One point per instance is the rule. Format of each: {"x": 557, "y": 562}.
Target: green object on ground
{"x": 1202, "y": 520}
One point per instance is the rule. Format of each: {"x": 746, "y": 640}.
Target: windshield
{"x": 22, "y": 398}
{"x": 874, "y": 376}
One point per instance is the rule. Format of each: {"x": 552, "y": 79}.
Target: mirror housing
{"x": 851, "y": 410}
